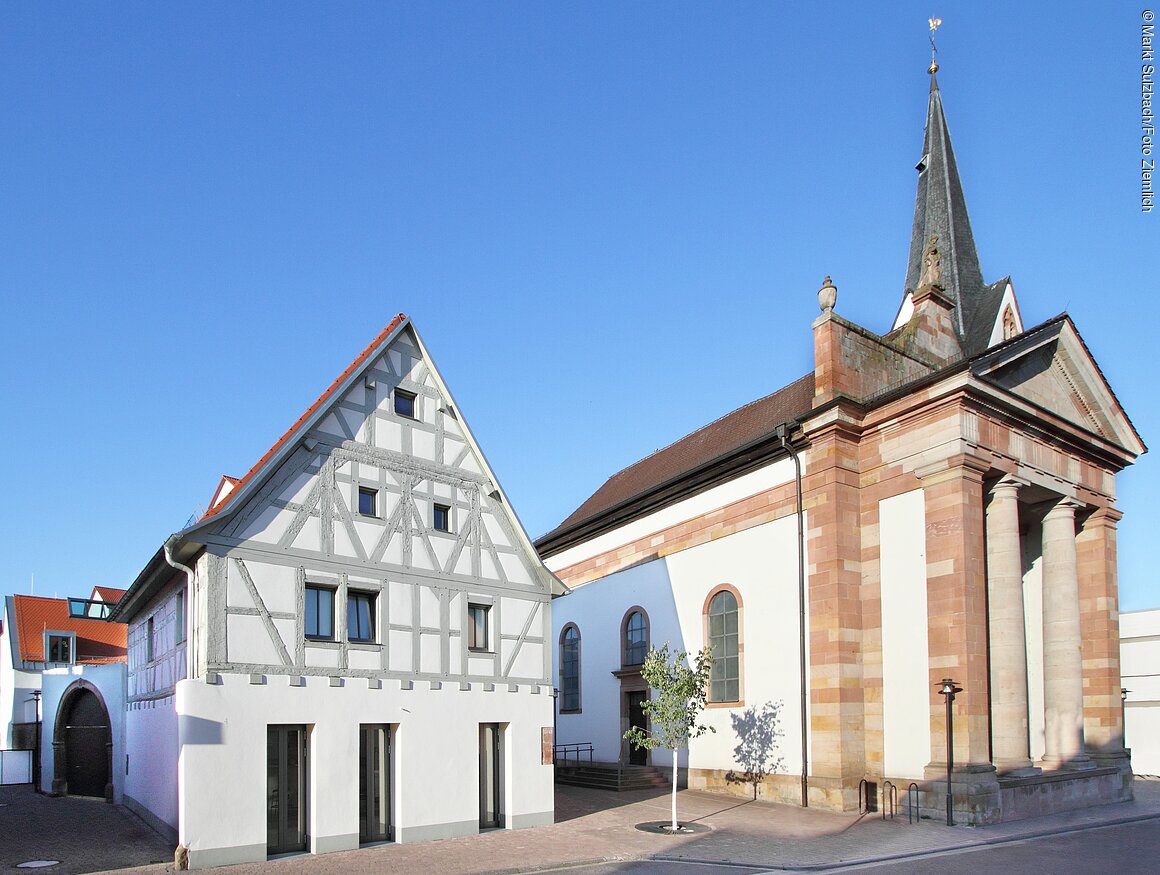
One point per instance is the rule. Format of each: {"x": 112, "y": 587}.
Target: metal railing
{"x": 561, "y": 753}
{"x": 15, "y": 767}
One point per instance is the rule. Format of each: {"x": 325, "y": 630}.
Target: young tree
{"x": 679, "y": 700}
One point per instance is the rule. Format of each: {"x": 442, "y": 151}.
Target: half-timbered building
{"x": 935, "y": 502}
{"x": 352, "y": 645}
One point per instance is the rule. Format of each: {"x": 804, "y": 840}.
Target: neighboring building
{"x": 353, "y": 644}
{"x": 1140, "y": 676}
{"x": 958, "y": 485}
{"x": 39, "y": 634}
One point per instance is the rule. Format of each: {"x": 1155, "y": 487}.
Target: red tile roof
{"x": 109, "y": 594}
{"x": 98, "y": 641}
{"x": 310, "y": 411}
{"x": 714, "y": 441}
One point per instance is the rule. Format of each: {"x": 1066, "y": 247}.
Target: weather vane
{"x": 934, "y": 23}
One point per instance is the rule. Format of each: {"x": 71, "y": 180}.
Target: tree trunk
{"x": 674, "y": 824}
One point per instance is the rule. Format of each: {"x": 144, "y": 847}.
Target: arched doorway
{"x": 82, "y": 744}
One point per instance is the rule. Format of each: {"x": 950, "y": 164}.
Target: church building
{"x": 930, "y": 510}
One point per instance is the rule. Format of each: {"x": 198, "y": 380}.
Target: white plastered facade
{"x": 295, "y": 527}
{"x": 1140, "y": 675}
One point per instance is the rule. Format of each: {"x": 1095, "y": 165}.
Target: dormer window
{"x": 59, "y": 648}
{"x": 922, "y": 163}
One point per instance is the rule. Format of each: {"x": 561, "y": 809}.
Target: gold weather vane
{"x": 934, "y": 23}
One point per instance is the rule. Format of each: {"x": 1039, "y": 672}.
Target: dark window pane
{"x": 442, "y": 518}
{"x": 405, "y": 403}
{"x": 367, "y": 501}
{"x": 359, "y": 617}
{"x": 319, "y": 612}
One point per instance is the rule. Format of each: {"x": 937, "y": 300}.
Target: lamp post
{"x": 36, "y": 750}
{"x": 949, "y": 690}
{"x": 1124, "y": 717}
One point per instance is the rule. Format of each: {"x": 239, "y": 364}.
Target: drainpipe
{"x": 782, "y": 432}
{"x": 190, "y": 607}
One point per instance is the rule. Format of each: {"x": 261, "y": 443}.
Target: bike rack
{"x": 889, "y": 797}
{"x": 912, "y": 807}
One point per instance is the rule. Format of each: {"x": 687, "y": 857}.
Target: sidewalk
{"x": 592, "y": 826}
{"x": 596, "y": 825}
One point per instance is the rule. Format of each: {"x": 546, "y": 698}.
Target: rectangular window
{"x": 149, "y": 640}
{"x": 60, "y": 649}
{"x": 360, "y": 617}
{"x": 477, "y": 627}
{"x": 319, "y": 613}
{"x": 442, "y": 518}
{"x": 368, "y": 500}
{"x": 179, "y": 620}
{"x": 405, "y": 403}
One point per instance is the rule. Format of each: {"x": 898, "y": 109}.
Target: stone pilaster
{"x": 1062, "y": 661}
{"x": 1100, "y": 647}
{"x": 957, "y": 629}
{"x": 1008, "y": 646}
{"x": 837, "y": 710}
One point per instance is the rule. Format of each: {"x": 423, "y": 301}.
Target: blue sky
{"x": 608, "y": 221}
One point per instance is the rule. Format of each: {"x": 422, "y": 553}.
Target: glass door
{"x": 490, "y": 769}
{"x": 374, "y": 783}
{"x": 285, "y": 789}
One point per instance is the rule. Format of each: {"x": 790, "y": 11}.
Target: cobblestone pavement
{"x": 85, "y": 835}
{"x": 592, "y": 826}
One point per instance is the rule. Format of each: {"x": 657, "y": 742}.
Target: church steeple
{"x": 940, "y": 210}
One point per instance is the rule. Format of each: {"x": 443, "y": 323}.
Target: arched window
{"x": 570, "y": 668}
{"x": 634, "y": 637}
{"x": 723, "y": 634}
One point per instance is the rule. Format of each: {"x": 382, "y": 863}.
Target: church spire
{"x": 940, "y": 210}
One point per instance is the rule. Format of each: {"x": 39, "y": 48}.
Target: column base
{"x": 1079, "y": 763}
{"x": 1016, "y": 768}
{"x": 975, "y": 792}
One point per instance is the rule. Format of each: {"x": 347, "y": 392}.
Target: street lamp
{"x": 1124, "y": 717}
{"x": 36, "y": 750}
{"x": 949, "y": 689}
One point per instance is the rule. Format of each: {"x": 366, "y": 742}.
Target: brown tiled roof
{"x": 716, "y": 440}
{"x": 358, "y": 361}
{"x": 109, "y": 594}
{"x": 98, "y": 641}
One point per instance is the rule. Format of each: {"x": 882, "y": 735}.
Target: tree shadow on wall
{"x": 758, "y": 751}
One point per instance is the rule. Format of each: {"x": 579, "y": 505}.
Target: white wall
{"x": 151, "y": 742}
{"x": 223, "y": 732}
{"x": 761, "y": 563}
{"x": 905, "y": 653}
{"x": 110, "y": 681}
{"x": 1140, "y": 674}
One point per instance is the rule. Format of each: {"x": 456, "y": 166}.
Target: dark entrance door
{"x": 490, "y": 769}
{"x": 637, "y": 756}
{"x": 87, "y": 739}
{"x": 374, "y": 784}
{"x": 285, "y": 789}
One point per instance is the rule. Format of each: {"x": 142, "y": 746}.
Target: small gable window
{"x": 1009, "y": 327}
{"x": 360, "y": 617}
{"x": 441, "y": 518}
{"x": 179, "y": 617}
{"x": 319, "y": 613}
{"x": 368, "y": 501}
{"x": 58, "y": 648}
{"x": 477, "y": 617}
{"x": 405, "y": 403}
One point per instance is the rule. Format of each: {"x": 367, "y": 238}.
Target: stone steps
{"x": 612, "y": 777}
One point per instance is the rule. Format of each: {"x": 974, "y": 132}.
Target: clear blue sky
{"x": 608, "y": 221}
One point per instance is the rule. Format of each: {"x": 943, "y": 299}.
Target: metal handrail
{"x": 560, "y": 752}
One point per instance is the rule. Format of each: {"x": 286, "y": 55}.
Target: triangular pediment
{"x": 1052, "y": 368}
{"x": 382, "y": 474}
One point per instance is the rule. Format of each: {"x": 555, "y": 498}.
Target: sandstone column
{"x": 1062, "y": 662}
{"x": 1008, "y": 646}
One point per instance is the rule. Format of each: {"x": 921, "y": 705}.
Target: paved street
{"x": 596, "y": 834}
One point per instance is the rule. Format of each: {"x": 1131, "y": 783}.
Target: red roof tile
{"x": 310, "y": 411}
{"x": 98, "y": 641}
{"x": 716, "y": 440}
{"x": 109, "y": 594}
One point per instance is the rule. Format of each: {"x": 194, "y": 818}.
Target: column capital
{"x": 1066, "y": 506}
{"x": 960, "y": 465}
{"x": 1104, "y": 516}
{"x": 1008, "y": 484}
